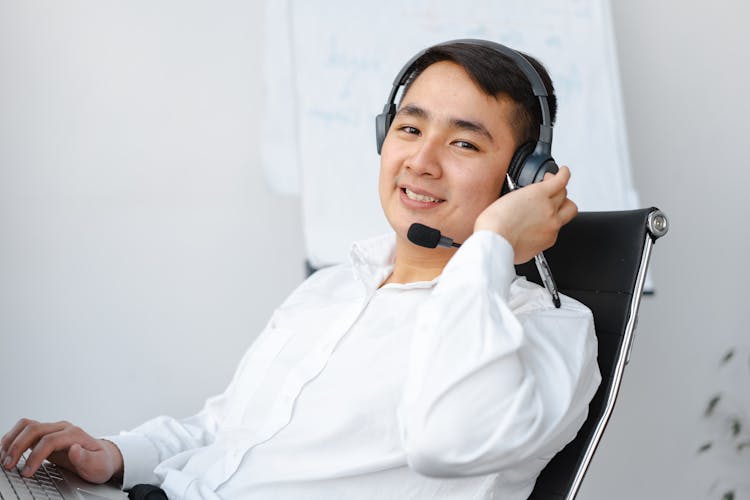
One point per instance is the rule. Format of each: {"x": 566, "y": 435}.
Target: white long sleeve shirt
{"x": 462, "y": 387}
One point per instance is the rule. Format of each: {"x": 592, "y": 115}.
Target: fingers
{"x": 44, "y": 439}
{"x": 25, "y": 434}
{"x": 53, "y": 442}
{"x": 558, "y": 197}
{"x": 568, "y": 210}
{"x": 557, "y": 181}
{"x": 10, "y": 436}
{"x": 556, "y": 186}
{"x": 531, "y": 217}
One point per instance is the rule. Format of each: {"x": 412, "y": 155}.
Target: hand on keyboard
{"x": 95, "y": 460}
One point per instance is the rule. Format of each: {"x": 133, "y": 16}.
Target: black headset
{"x": 530, "y": 161}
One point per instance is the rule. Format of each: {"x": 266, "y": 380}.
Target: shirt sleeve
{"x": 149, "y": 444}
{"x": 155, "y": 441}
{"x": 498, "y": 377}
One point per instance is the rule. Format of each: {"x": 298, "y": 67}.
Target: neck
{"x": 414, "y": 263}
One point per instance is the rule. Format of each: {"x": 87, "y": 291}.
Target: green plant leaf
{"x": 729, "y": 355}
{"x": 729, "y": 495}
{"x": 736, "y": 427}
{"x": 705, "y": 447}
{"x": 712, "y": 405}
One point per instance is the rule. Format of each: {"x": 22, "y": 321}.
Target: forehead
{"x": 446, "y": 74}
{"x": 446, "y": 89}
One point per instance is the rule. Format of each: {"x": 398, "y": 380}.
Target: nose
{"x": 425, "y": 159}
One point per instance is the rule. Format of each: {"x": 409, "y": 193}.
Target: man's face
{"x": 445, "y": 156}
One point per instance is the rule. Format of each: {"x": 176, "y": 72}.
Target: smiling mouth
{"x": 420, "y": 197}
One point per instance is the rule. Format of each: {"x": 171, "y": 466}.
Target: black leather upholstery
{"x": 595, "y": 260}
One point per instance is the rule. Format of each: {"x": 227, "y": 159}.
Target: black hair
{"x": 496, "y": 74}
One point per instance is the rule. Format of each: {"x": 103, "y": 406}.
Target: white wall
{"x": 140, "y": 250}
{"x": 685, "y": 81}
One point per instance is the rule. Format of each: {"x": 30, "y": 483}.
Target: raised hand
{"x": 530, "y": 217}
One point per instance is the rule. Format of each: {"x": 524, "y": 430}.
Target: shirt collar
{"x": 372, "y": 259}
{"x": 372, "y": 262}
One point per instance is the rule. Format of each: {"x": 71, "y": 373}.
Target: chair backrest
{"x": 600, "y": 259}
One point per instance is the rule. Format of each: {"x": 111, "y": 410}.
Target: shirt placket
{"x": 308, "y": 368}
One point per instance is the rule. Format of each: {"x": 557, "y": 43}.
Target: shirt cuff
{"x": 485, "y": 257}
{"x": 139, "y": 457}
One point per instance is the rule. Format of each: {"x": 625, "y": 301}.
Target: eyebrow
{"x": 459, "y": 123}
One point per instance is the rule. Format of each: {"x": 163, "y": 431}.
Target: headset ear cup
{"x": 516, "y": 162}
{"x": 382, "y": 124}
{"x": 380, "y": 130}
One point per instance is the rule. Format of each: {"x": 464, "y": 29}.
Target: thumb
{"x": 88, "y": 464}
{"x": 78, "y": 456}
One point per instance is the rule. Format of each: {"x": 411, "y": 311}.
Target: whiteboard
{"x": 328, "y": 67}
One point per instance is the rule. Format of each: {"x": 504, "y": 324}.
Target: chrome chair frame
{"x": 563, "y": 476}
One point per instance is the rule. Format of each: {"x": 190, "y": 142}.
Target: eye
{"x": 466, "y": 145}
{"x": 409, "y": 130}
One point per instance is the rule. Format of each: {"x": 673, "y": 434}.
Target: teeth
{"x": 420, "y": 197}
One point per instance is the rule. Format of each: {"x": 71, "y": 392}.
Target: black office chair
{"x": 600, "y": 259}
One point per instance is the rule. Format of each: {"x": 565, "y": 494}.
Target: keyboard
{"x": 13, "y": 486}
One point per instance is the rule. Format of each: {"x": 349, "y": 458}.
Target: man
{"x": 411, "y": 372}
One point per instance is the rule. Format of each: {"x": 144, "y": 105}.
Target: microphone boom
{"x": 428, "y": 237}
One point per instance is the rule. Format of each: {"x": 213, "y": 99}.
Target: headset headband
{"x": 544, "y": 143}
